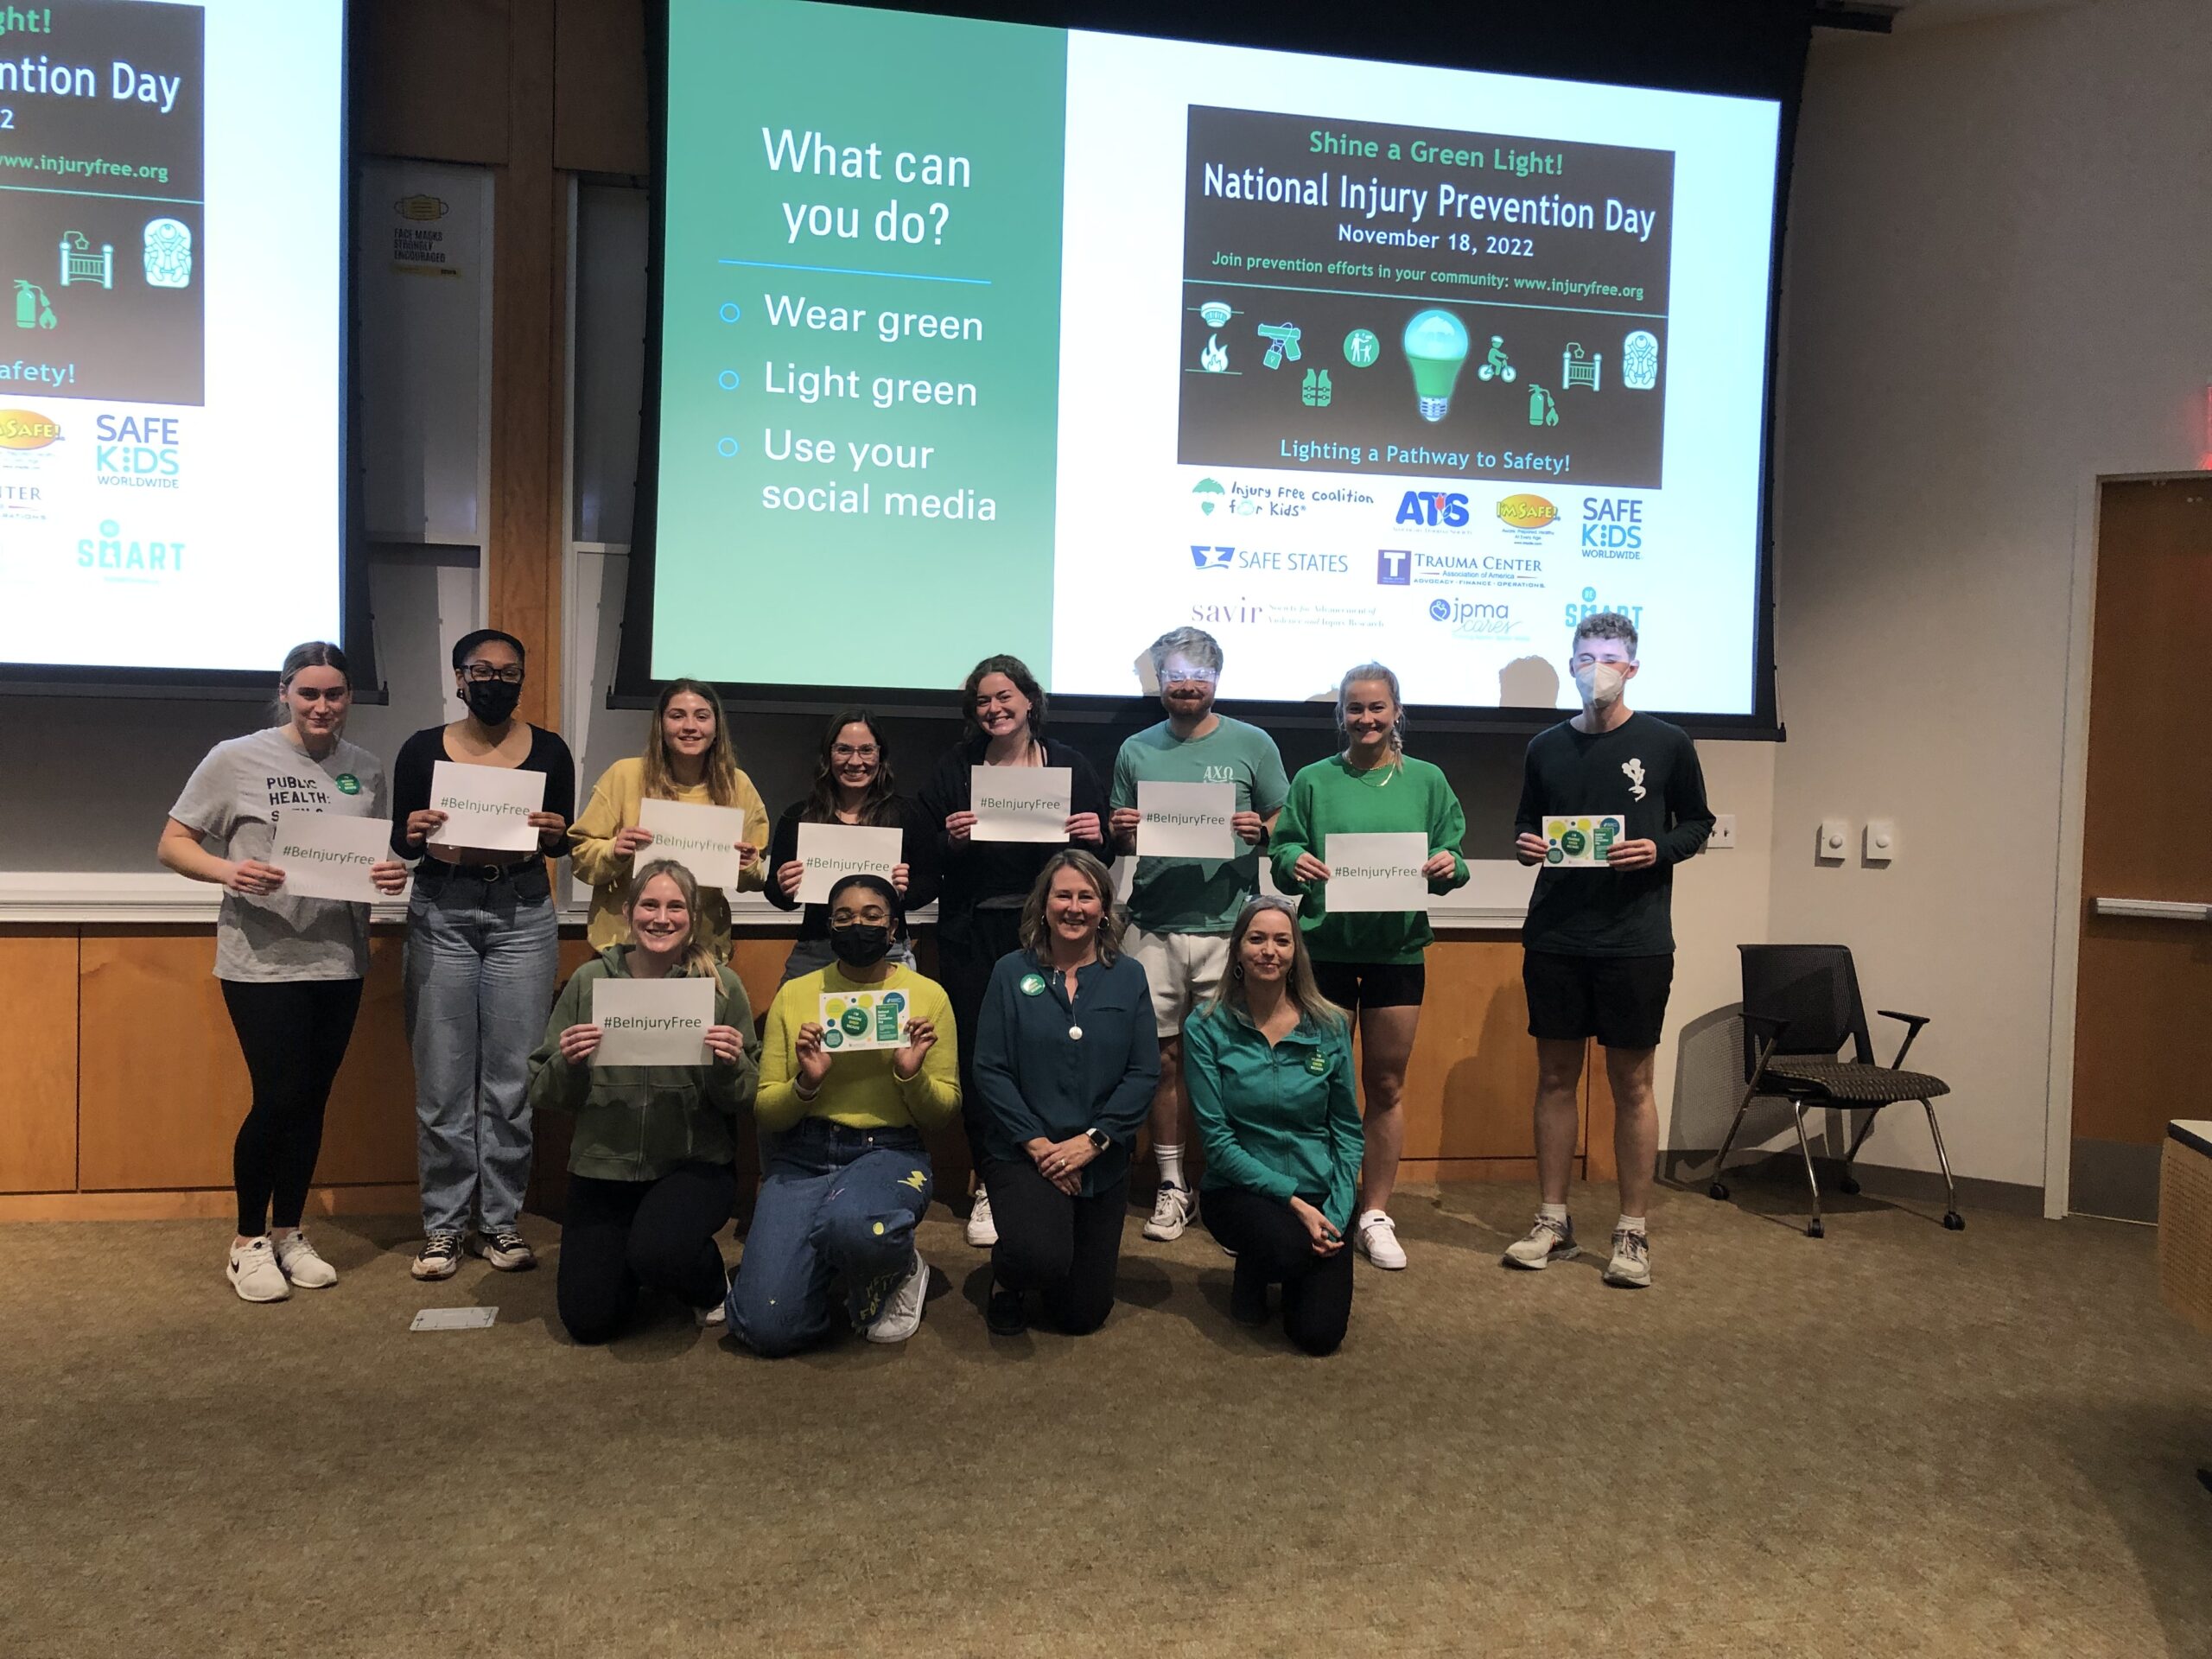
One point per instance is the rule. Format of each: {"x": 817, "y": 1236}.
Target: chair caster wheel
{"x": 1813, "y": 1229}
{"x": 1953, "y": 1222}
{"x": 1848, "y": 1185}
{"x": 1718, "y": 1189}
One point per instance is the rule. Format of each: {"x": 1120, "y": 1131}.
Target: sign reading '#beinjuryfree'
{"x": 1371, "y": 871}
{"x": 702, "y": 839}
{"x": 487, "y": 807}
{"x": 327, "y": 854}
{"x": 831, "y": 852}
{"x": 652, "y": 1021}
{"x": 1021, "y": 802}
{"x": 1186, "y": 821}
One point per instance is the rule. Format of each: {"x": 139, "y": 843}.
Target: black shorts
{"x": 1620, "y": 1001}
{"x": 1355, "y": 985}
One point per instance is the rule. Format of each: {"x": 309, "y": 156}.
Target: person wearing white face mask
{"x": 1598, "y": 954}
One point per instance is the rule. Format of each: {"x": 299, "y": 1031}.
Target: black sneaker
{"x": 439, "y": 1258}
{"x": 1247, "y": 1299}
{"x": 506, "y": 1249}
{"x": 1005, "y": 1312}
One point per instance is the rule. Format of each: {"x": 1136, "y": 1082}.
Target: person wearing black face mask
{"x": 845, "y": 1175}
{"x": 482, "y": 961}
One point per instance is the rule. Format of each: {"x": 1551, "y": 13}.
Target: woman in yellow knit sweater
{"x": 845, "y": 1176}
{"x": 688, "y": 758}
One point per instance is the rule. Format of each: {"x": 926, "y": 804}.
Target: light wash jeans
{"x": 836, "y": 1203}
{"x": 482, "y": 959}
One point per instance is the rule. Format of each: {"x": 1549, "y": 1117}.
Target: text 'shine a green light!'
{"x": 1436, "y": 348}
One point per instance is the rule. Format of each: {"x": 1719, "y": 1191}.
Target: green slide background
{"x": 744, "y": 593}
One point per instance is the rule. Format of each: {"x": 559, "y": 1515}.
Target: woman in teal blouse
{"x": 1268, "y": 1066}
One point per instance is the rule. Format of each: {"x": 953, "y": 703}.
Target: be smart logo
{"x": 121, "y": 556}
{"x": 1612, "y": 527}
{"x": 136, "y": 452}
{"x": 1590, "y": 605}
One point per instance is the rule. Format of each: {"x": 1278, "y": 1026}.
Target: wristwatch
{"x": 1099, "y": 1138}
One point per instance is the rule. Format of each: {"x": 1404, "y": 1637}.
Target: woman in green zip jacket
{"x": 1267, "y": 1062}
{"x": 650, "y": 1176}
{"x": 1370, "y": 964}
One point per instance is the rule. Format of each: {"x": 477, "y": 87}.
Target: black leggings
{"x": 621, "y": 1235}
{"x": 1069, "y": 1248}
{"x": 964, "y": 962}
{"x": 1271, "y": 1245}
{"x": 293, "y": 1034}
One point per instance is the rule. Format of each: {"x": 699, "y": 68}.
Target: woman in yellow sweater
{"x": 846, "y": 1175}
{"x": 688, "y": 758}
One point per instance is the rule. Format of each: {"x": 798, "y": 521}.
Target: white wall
{"x": 2000, "y": 254}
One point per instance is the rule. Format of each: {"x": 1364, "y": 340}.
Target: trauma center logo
{"x": 1400, "y": 567}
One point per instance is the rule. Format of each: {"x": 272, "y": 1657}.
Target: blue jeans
{"x": 482, "y": 959}
{"x": 835, "y": 1203}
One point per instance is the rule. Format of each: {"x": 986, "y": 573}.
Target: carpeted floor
{"x": 1897, "y": 1440}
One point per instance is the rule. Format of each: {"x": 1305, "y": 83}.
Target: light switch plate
{"x": 1723, "y": 838}
{"x": 1881, "y": 843}
{"x": 1834, "y": 842}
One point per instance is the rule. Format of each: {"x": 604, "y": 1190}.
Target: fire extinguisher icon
{"x": 1542, "y": 411}
{"x": 33, "y": 309}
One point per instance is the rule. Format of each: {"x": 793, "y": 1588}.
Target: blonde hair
{"x": 719, "y": 768}
{"x": 1382, "y": 675}
{"x": 697, "y": 961}
{"x": 1036, "y": 934}
{"x": 1298, "y": 984}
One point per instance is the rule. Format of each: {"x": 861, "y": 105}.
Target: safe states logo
{"x": 1268, "y": 561}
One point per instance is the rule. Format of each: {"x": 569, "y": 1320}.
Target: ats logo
{"x": 1612, "y": 527}
{"x": 136, "y": 452}
{"x": 20, "y": 429}
{"x": 121, "y": 557}
{"x": 1433, "y": 510}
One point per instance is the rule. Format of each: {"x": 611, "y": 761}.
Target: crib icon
{"x": 81, "y": 265}
{"x": 1574, "y": 370}
{"x": 168, "y": 253}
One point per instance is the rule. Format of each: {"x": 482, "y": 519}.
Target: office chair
{"x": 1800, "y": 1002}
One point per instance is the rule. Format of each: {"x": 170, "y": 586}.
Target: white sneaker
{"x": 254, "y": 1274}
{"x": 1378, "y": 1241}
{"x": 1547, "y": 1241}
{"x": 902, "y": 1309}
{"x": 982, "y": 1231}
{"x": 1172, "y": 1210}
{"x": 715, "y": 1318}
{"x": 304, "y": 1264}
{"x": 1631, "y": 1267}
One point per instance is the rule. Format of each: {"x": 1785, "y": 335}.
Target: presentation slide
{"x": 1337, "y": 359}
{"x": 170, "y": 239}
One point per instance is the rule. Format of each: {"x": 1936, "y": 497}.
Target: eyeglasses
{"x": 849, "y": 751}
{"x": 867, "y": 916}
{"x": 484, "y": 673}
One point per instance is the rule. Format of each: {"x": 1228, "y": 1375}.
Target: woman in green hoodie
{"x": 650, "y": 1177}
{"x": 1267, "y": 1061}
{"x": 1370, "y": 963}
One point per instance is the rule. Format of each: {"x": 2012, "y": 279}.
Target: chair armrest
{"x": 1764, "y": 1026}
{"x": 1766, "y": 1030}
{"x": 1913, "y": 1022}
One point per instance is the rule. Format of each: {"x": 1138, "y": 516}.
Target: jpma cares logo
{"x": 136, "y": 451}
{"x": 21, "y": 428}
{"x": 1474, "y": 619}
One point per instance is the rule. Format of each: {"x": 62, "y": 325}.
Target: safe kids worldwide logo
{"x": 1612, "y": 527}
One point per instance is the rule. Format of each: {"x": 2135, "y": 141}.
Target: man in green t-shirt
{"x": 1182, "y": 910}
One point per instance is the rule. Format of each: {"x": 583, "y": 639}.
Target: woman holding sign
{"x": 482, "y": 953}
{"x": 688, "y": 759}
{"x": 1268, "y": 1061}
{"x": 1067, "y": 1057}
{"x": 853, "y": 790}
{"x": 858, "y": 1059}
{"x": 1367, "y": 960}
{"x": 291, "y": 966}
{"x": 650, "y": 1177}
{"x": 987, "y": 864}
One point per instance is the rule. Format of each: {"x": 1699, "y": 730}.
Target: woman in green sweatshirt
{"x": 1370, "y": 963}
{"x": 1267, "y": 1064}
{"x": 650, "y": 1177}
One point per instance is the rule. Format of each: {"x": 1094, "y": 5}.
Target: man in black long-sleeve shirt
{"x": 1598, "y": 954}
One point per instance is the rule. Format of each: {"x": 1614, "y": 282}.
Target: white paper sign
{"x": 1574, "y": 841}
{"x": 327, "y": 854}
{"x": 1186, "y": 821}
{"x": 486, "y": 806}
{"x": 652, "y": 1021}
{"x": 702, "y": 839}
{"x": 1021, "y": 802}
{"x": 1375, "y": 871}
{"x": 864, "y": 1018}
{"x": 833, "y": 851}
{"x": 455, "y": 1318}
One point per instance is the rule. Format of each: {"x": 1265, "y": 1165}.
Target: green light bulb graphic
{"x": 1436, "y": 347}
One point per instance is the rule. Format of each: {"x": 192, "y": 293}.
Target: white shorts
{"x": 1184, "y": 969}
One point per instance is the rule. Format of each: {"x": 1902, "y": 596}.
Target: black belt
{"x": 436, "y": 872}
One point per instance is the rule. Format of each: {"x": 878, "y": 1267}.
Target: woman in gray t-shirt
{"x": 290, "y": 967}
